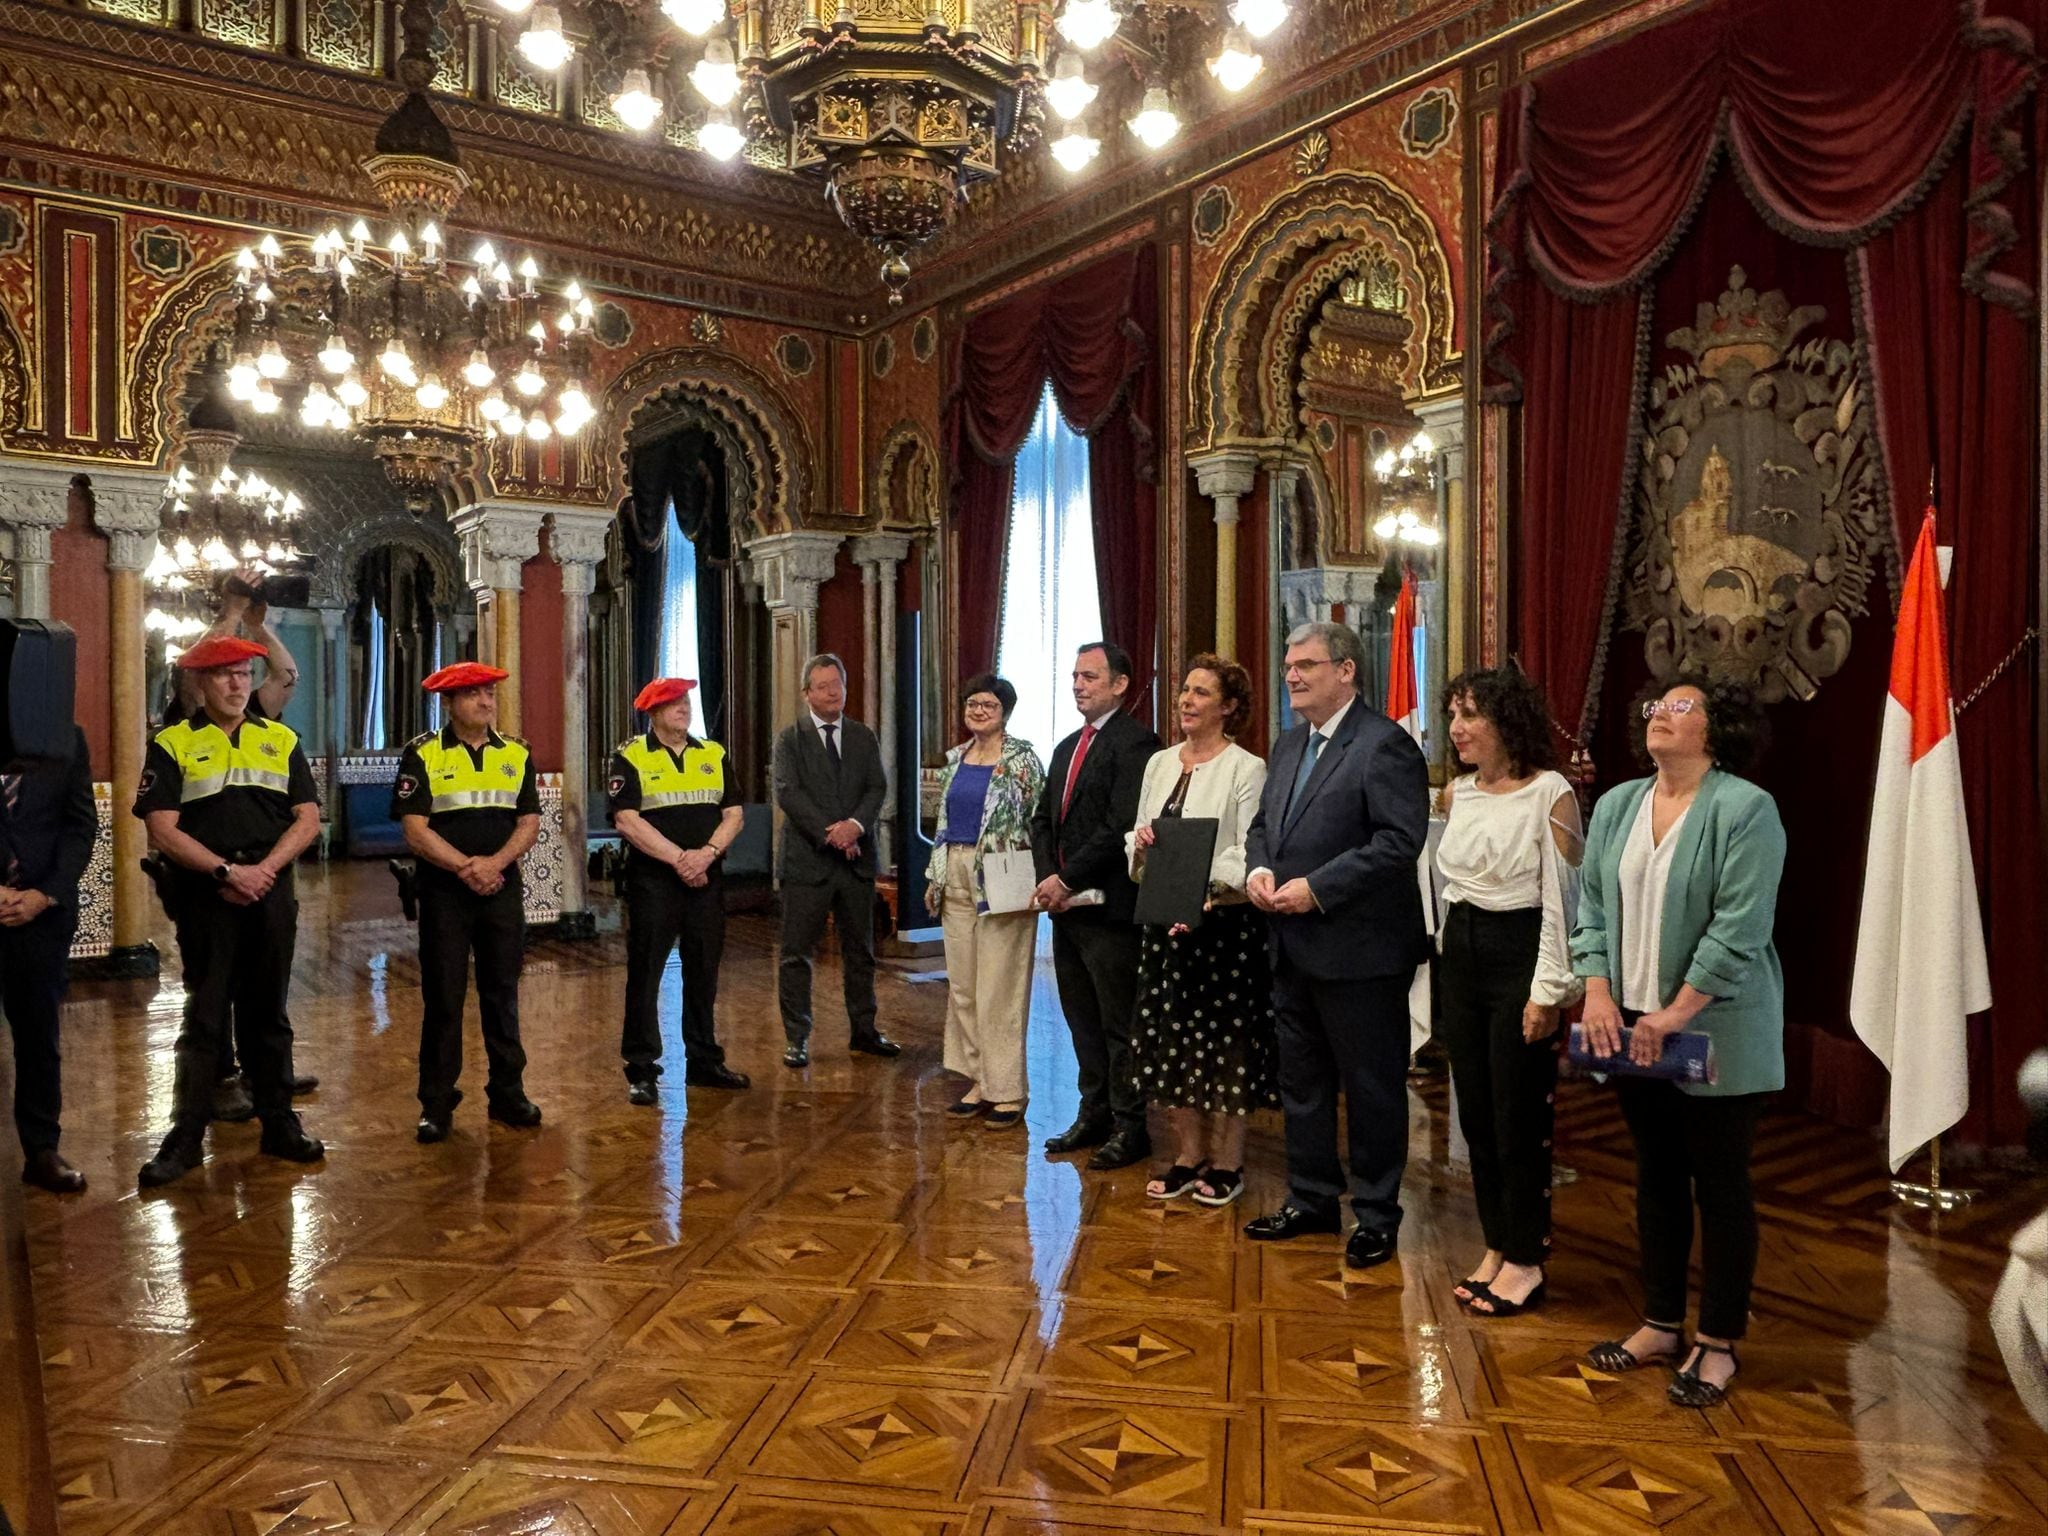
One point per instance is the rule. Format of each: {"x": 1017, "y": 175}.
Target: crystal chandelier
{"x": 393, "y": 336}
{"x": 1409, "y": 478}
{"x": 216, "y": 525}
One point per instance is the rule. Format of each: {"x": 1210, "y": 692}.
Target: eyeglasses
{"x": 1306, "y": 666}
{"x": 982, "y": 706}
{"x": 1655, "y": 707}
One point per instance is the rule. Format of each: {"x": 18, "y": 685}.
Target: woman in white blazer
{"x": 1203, "y": 1038}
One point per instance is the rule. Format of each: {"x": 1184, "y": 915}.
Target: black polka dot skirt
{"x": 1203, "y": 1037}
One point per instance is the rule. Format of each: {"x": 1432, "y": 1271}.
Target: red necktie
{"x": 1074, "y": 768}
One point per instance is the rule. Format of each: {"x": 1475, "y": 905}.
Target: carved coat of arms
{"x": 1757, "y": 501}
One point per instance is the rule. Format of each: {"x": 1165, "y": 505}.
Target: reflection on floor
{"x": 824, "y": 1307}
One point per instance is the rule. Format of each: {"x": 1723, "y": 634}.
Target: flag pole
{"x": 1933, "y": 1195}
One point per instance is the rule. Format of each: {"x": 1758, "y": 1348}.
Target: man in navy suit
{"x": 47, "y": 826}
{"x": 1332, "y": 853}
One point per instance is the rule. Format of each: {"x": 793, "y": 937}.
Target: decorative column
{"x": 497, "y": 541}
{"x": 878, "y": 555}
{"x": 789, "y": 568}
{"x": 35, "y": 501}
{"x": 577, "y": 540}
{"x": 1444, "y": 420}
{"x": 333, "y": 701}
{"x": 1225, "y": 476}
{"x": 125, "y": 508}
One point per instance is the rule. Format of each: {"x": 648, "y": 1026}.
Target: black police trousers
{"x": 236, "y": 958}
{"x": 663, "y": 914}
{"x": 34, "y": 961}
{"x": 456, "y": 923}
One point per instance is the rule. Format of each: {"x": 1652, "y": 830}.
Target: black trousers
{"x": 663, "y": 914}
{"x": 1692, "y": 1150}
{"x": 456, "y": 923}
{"x": 848, "y": 899}
{"x": 239, "y": 959}
{"x": 1095, "y": 963}
{"x": 1506, "y": 1086}
{"x": 34, "y": 970}
{"x": 1348, "y": 1037}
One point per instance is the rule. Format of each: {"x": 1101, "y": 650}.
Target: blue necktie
{"x": 1304, "y": 773}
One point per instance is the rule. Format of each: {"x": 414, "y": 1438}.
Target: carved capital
{"x": 34, "y": 499}
{"x": 127, "y": 506}
{"x": 790, "y": 567}
{"x": 879, "y": 549}
{"x": 576, "y": 538}
{"x": 497, "y": 540}
{"x": 1226, "y": 472}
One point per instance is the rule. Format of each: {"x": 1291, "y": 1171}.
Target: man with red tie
{"x": 1077, "y": 841}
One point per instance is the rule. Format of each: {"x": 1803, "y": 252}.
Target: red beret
{"x": 464, "y": 674}
{"x": 663, "y": 690}
{"x": 222, "y": 651}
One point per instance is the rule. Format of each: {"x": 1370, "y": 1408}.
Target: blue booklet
{"x": 1687, "y": 1058}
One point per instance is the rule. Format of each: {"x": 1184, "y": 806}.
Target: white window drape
{"x": 678, "y": 649}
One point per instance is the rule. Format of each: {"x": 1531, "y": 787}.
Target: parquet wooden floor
{"x": 824, "y": 1307}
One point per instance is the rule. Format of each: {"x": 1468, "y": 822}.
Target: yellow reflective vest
{"x": 459, "y": 782}
{"x": 259, "y": 756}
{"x": 698, "y": 780}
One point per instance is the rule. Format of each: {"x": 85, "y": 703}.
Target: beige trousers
{"x": 988, "y": 986}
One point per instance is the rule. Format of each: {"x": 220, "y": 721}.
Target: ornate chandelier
{"x": 1409, "y": 478}
{"x": 216, "y": 526}
{"x": 391, "y": 335}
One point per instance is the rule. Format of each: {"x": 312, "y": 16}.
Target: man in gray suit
{"x": 1332, "y": 854}
{"x": 829, "y": 785}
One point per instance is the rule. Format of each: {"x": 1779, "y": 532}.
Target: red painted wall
{"x": 839, "y": 626}
{"x": 79, "y": 597}
{"x": 540, "y": 659}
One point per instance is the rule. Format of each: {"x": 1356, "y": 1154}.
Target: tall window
{"x": 375, "y": 685}
{"x": 679, "y": 603}
{"x": 1050, "y": 601}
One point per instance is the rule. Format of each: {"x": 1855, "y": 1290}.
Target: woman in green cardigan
{"x": 1674, "y": 933}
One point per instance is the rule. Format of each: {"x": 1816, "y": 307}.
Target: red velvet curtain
{"x": 1093, "y": 333}
{"x": 1911, "y": 149}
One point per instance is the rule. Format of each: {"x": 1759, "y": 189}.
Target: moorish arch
{"x": 769, "y": 454}
{"x": 189, "y": 319}
{"x": 1267, "y": 293}
{"x": 903, "y": 490}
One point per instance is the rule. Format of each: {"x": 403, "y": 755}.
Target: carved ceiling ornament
{"x": 904, "y": 488}
{"x": 1312, "y": 154}
{"x": 1757, "y": 507}
{"x": 1268, "y": 291}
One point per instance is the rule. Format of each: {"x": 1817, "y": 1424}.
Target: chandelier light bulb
{"x": 1383, "y": 466}
{"x": 696, "y": 17}
{"x": 268, "y": 248}
{"x": 359, "y": 235}
{"x": 528, "y": 380}
{"x": 539, "y": 332}
{"x": 478, "y": 372}
{"x": 314, "y": 409}
{"x": 514, "y": 7}
{"x": 485, "y": 256}
{"x": 1238, "y": 64}
{"x": 585, "y": 309}
{"x": 513, "y": 422}
{"x": 715, "y": 76}
{"x": 397, "y": 362}
{"x": 1069, "y": 91}
{"x": 432, "y": 393}
{"x": 335, "y": 357}
{"x": 543, "y": 43}
{"x": 637, "y": 105}
{"x": 277, "y": 554}
{"x": 1156, "y": 122}
{"x": 351, "y": 393}
{"x": 344, "y": 268}
{"x": 430, "y": 237}
{"x": 217, "y": 554}
{"x": 472, "y": 290}
{"x": 718, "y": 138}
{"x": 242, "y": 377}
{"x": 574, "y": 292}
{"x": 251, "y": 550}
{"x": 1074, "y": 149}
{"x": 184, "y": 553}
{"x": 263, "y": 295}
{"x": 1423, "y": 444}
{"x": 1088, "y": 23}
{"x": 537, "y": 428}
{"x": 502, "y": 275}
{"x": 1261, "y": 18}
{"x": 245, "y": 262}
{"x": 400, "y": 246}
{"x": 270, "y": 362}
{"x": 160, "y": 569}
{"x": 492, "y": 406}
{"x": 573, "y": 400}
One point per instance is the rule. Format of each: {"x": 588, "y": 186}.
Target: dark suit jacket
{"x": 812, "y": 797}
{"x": 1086, "y": 847}
{"x": 51, "y": 832}
{"x": 1355, "y": 836}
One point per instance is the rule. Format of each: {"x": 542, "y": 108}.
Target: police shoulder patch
{"x": 616, "y": 785}
{"x": 407, "y": 786}
{"x": 148, "y": 781}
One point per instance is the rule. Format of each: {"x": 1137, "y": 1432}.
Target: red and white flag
{"x": 1402, "y": 706}
{"x": 1920, "y": 966}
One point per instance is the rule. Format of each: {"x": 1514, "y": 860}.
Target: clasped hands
{"x": 246, "y": 884}
{"x": 481, "y": 873}
{"x": 844, "y": 836}
{"x": 19, "y": 907}
{"x": 693, "y": 865}
{"x": 1602, "y": 1030}
{"x": 1289, "y": 900}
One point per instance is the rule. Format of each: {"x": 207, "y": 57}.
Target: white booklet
{"x": 1008, "y": 880}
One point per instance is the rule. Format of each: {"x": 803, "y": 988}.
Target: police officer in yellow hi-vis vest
{"x": 229, "y": 802}
{"x": 674, "y": 801}
{"x": 469, "y": 802}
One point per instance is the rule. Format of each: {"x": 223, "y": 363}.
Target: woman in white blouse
{"x": 1203, "y": 1037}
{"x": 1509, "y": 865}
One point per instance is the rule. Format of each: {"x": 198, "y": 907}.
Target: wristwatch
{"x": 220, "y": 873}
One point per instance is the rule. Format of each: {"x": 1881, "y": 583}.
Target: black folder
{"x": 1176, "y": 870}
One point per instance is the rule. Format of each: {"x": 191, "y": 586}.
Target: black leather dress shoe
{"x": 877, "y": 1044}
{"x": 520, "y": 1113}
{"x": 1368, "y": 1246}
{"x": 301, "y": 1084}
{"x": 1079, "y": 1136}
{"x": 232, "y": 1102}
{"x": 46, "y": 1170}
{"x": 1289, "y": 1221}
{"x": 183, "y": 1150}
{"x": 1122, "y": 1149}
{"x": 284, "y": 1137}
{"x": 797, "y": 1056}
{"x": 641, "y": 1090}
{"x": 715, "y": 1074}
{"x": 433, "y": 1125}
